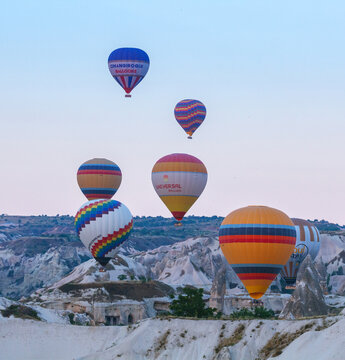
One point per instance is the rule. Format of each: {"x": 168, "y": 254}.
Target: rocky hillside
{"x": 38, "y": 251}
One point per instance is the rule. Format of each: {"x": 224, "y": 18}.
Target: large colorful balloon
{"x": 99, "y": 178}
{"x": 179, "y": 179}
{"x": 257, "y": 241}
{"x": 128, "y": 66}
{"x": 103, "y": 225}
{"x": 307, "y": 242}
{"x": 190, "y": 114}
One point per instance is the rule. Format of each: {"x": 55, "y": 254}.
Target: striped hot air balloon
{"x": 307, "y": 243}
{"x": 99, "y": 178}
{"x": 179, "y": 179}
{"x": 128, "y": 66}
{"x": 257, "y": 241}
{"x": 103, "y": 225}
{"x": 190, "y": 114}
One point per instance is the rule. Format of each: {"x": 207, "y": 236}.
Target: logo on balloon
{"x": 165, "y": 178}
{"x": 300, "y": 252}
{"x": 169, "y": 187}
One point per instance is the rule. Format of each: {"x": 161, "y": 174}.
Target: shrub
{"x": 122, "y": 277}
{"x": 142, "y": 279}
{"x": 20, "y": 311}
{"x": 71, "y": 318}
{"x": 258, "y": 313}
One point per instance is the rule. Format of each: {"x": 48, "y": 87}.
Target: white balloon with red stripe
{"x": 307, "y": 243}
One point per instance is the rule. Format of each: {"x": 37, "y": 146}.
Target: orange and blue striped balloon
{"x": 179, "y": 179}
{"x": 257, "y": 241}
{"x": 190, "y": 114}
{"x": 99, "y": 178}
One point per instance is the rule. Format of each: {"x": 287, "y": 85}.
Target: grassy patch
{"x": 232, "y": 340}
{"x": 280, "y": 341}
{"x": 20, "y": 311}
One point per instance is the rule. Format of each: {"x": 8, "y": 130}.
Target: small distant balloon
{"x": 307, "y": 243}
{"x": 99, "y": 178}
{"x": 190, "y": 114}
{"x": 179, "y": 179}
{"x": 257, "y": 241}
{"x": 128, "y": 66}
{"x": 102, "y": 226}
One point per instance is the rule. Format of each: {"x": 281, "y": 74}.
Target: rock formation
{"x": 307, "y": 299}
{"x": 218, "y": 290}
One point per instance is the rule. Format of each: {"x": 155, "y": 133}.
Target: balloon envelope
{"x": 190, "y": 114}
{"x": 307, "y": 243}
{"x": 179, "y": 179}
{"x": 257, "y": 241}
{"x": 99, "y": 178}
{"x": 103, "y": 225}
{"x": 128, "y": 66}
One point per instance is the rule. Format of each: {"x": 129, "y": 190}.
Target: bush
{"x": 20, "y": 311}
{"x": 122, "y": 277}
{"x": 258, "y": 313}
{"x": 191, "y": 304}
{"x": 71, "y": 318}
{"x": 142, "y": 279}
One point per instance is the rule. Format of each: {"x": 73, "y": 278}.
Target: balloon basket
{"x": 101, "y": 269}
{"x": 189, "y": 137}
{"x": 128, "y": 95}
{"x": 178, "y": 224}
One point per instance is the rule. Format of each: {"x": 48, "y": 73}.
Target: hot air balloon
{"x": 307, "y": 242}
{"x": 179, "y": 179}
{"x": 190, "y": 114}
{"x": 257, "y": 241}
{"x": 128, "y": 66}
{"x": 103, "y": 225}
{"x": 99, "y": 178}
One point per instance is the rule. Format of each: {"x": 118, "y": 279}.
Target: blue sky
{"x": 270, "y": 73}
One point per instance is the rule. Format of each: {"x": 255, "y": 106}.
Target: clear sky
{"x": 271, "y": 74}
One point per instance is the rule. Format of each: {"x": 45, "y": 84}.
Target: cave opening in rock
{"x": 112, "y": 320}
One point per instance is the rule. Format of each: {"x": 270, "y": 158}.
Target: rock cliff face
{"x": 20, "y": 275}
{"x": 307, "y": 299}
{"x": 191, "y": 262}
{"x": 336, "y": 274}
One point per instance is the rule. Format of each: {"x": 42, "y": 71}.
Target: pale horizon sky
{"x": 271, "y": 75}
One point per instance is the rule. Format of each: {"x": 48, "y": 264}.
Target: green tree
{"x": 191, "y": 304}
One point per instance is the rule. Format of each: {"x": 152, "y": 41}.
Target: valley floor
{"x": 323, "y": 339}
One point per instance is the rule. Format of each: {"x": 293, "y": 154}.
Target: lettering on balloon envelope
{"x": 300, "y": 252}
